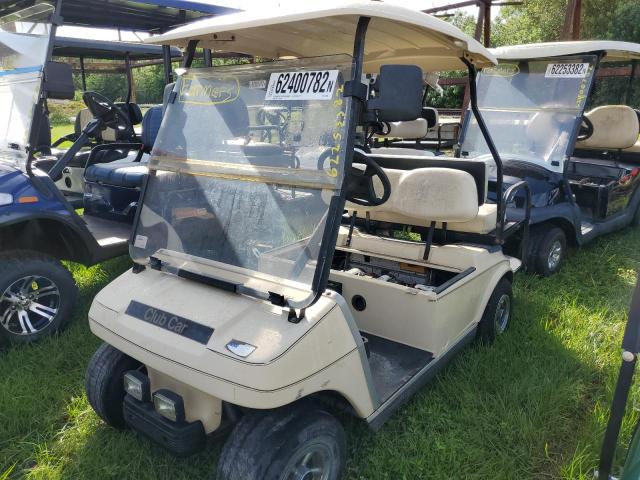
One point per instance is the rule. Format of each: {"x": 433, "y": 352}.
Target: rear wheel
{"x": 293, "y": 443}
{"x": 37, "y": 295}
{"x": 497, "y": 314}
{"x": 548, "y": 250}
{"x": 104, "y": 383}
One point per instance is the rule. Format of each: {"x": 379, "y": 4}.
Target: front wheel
{"x": 293, "y": 443}
{"x": 37, "y": 296}
{"x": 497, "y": 314}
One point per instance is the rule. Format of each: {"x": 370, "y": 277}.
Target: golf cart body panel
{"x": 253, "y": 288}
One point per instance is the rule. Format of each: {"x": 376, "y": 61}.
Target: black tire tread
{"x": 103, "y": 383}
{"x": 486, "y": 328}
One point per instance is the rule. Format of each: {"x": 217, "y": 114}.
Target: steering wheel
{"x": 586, "y": 129}
{"x": 110, "y": 114}
{"x": 359, "y": 184}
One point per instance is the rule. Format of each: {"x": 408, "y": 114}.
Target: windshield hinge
{"x": 277, "y": 299}
{"x": 295, "y": 317}
{"x": 155, "y": 263}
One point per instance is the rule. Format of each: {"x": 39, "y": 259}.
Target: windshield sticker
{"x": 140, "y": 241}
{"x": 316, "y": 85}
{"x": 336, "y": 136}
{"x": 502, "y": 70}
{"x": 208, "y": 89}
{"x": 567, "y": 70}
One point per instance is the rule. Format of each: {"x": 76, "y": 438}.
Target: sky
{"x": 102, "y": 34}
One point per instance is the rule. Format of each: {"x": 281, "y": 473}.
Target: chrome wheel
{"x": 503, "y": 312}
{"x": 311, "y": 462}
{"x": 555, "y": 255}
{"x": 29, "y": 305}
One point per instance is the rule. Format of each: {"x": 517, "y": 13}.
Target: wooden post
{"x": 571, "y": 30}
{"x": 486, "y": 8}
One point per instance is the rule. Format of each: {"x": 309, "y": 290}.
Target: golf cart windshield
{"x": 532, "y": 109}
{"x": 244, "y": 169}
{"x": 24, "y": 42}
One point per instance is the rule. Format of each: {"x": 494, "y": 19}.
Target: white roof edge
{"x": 615, "y": 50}
{"x": 375, "y": 9}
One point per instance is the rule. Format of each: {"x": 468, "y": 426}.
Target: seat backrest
{"x": 150, "y": 126}
{"x": 614, "y": 127}
{"x": 410, "y": 130}
{"x": 478, "y": 169}
{"x": 426, "y": 195}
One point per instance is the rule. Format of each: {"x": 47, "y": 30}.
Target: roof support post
{"x": 129, "y": 75}
{"x": 208, "y": 60}
{"x": 166, "y": 59}
{"x": 83, "y": 75}
{"x": 473, "y": 96}
{"x": 336, "y": 207}
{"x": 189, "y": 54}
{"x": 634, "y": 72}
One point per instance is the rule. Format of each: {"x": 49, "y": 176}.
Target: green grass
{"x": 533, "y": 406}
{"x": 57, "y": 131}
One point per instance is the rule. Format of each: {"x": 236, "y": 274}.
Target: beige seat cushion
{"x": 412, "y": 152}
{"x": 614, "y": 127}
{"x": 412, "y": 129}
{"x": 389, "y": 247}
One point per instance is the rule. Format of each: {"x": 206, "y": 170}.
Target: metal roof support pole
{"x": 634, "y": 73}
{"x": 166, "y": 58}
{"x": 83, "y": 75}
{"x": 189, "y": 54}
{"x": 129, "y": 74}
{"x": 473, "y": 94}
{"x": 208, "y": 60}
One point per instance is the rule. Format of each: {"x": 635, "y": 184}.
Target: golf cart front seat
{"x": 615, "y": 127}
{"x": 418, "y": 197}
{"x": 129, "y": 172}
{"x": 483, "y": 222}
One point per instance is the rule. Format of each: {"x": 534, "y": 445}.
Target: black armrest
{"x": 92, "y": 160}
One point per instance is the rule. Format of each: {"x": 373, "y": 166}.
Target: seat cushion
{"x": 151, "y": 126}
{"x": 614, "y": 127}
{"x": 389, "y": 247}
{"x": 635, "y": 148}
{"x": 129, "y": 175}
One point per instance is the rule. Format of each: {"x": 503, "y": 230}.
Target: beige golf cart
{"x": 276, "y": 277}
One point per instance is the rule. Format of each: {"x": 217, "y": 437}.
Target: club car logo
{"x": 171, "y": 322}
{"x": 209, "y": 90}
{"x": 502, "y": 70}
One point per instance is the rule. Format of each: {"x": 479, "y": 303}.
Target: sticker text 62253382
{"x": 567, "y": 70}
{"x": 302, "y": 85}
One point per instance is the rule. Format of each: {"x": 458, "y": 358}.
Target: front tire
{"x": 292, "y": 443}
{"x": 497, "y": 314}
{"x": 37, "y": 296}
{"x": 548, "y": 250}
{"x": 104, "y": 383}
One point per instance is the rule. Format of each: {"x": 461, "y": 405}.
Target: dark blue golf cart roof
{"x": 108, "y": 50}
{"x": 153, "y": 16}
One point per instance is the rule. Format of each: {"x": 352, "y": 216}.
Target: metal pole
{"x": 487, "y": 22}
{"x": 83, "y": 75}
{"x": 189, "y": 54}
{"x": 208, "y": 60}
{"x": 129, "y": 74}
{"x": 166, "y": 58}
{"x": 492, "y": 148}
{"x": 634, "y": 72}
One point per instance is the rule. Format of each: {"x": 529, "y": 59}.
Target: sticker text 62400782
{"x": 302, "y": 85}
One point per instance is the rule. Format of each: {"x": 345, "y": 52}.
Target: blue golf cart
{"x": 103, "y": 172}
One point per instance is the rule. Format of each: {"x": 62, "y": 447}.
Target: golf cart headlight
{"x": 6, "y": 199}
{"x": 137, "y": 385}
{"x": 169, "y": 405}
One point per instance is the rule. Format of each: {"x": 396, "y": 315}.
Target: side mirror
{"x": 396, "y": 95}
{"x": 58, "y": 81}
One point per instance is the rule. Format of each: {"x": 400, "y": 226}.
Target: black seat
{"x": 120, "y": 174}
{"x": 129, "y": 174}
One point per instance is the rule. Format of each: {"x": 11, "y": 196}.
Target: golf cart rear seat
{"x": 615, "y": 127}
{"x": 418, "y": 197}
{"x": 408, "y": 130}
{"x": 482, "y": 222}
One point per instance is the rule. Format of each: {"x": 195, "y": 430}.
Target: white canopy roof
{"x": 615, "y": 51}
{"x": 395, "y": 35}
